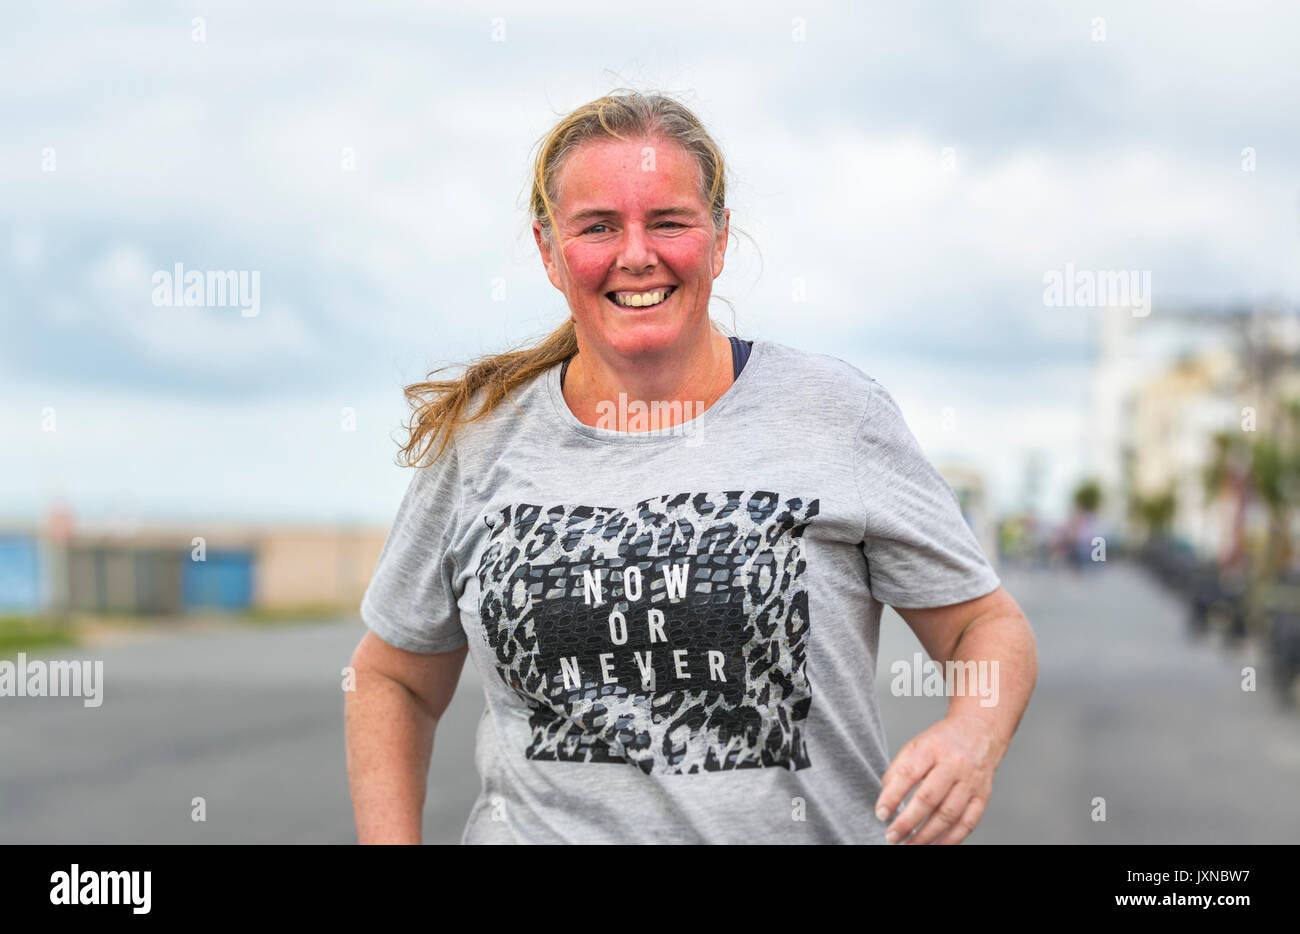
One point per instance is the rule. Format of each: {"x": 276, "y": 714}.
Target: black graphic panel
{"x": 671, "y": 634}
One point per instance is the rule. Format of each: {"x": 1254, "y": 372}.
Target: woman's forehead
{"x": 610, "y": 174}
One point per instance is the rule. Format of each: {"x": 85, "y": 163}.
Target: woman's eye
{"x": 593, "y": 227}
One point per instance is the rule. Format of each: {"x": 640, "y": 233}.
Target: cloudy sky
{"x": 919, "y": 167}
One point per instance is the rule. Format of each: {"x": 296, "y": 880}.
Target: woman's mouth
{"x": 646, "y": 299}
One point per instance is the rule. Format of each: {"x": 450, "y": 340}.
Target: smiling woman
{"x": 676, "y": 631}
{"x": 628, "y": 200}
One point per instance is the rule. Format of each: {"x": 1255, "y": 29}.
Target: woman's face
{"x": 633, "y": 222}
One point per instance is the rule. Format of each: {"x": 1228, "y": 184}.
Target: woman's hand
{"x": 954, "y": 761}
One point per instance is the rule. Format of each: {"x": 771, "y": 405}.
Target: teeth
{"x": 640, "y": 299}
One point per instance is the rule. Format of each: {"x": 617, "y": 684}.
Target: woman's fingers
{"x": 908, "y": 767}
{"x": 949, "y": 811}
{"x": 963, "y": 828}
{"x": 935, "y": 787}
{"x": 953, "y": 762}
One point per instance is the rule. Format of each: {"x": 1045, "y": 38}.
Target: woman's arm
{"x": 389, "y": 721}
{"x": 955, "y": 759}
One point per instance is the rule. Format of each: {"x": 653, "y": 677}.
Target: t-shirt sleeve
{"x": 411, "y": 601}
{"x": 920, "y": 551}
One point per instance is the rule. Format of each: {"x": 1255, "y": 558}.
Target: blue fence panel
{"x": 224, "y": 580}
{"x": 20, "y": 573}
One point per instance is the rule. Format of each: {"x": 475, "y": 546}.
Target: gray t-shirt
{"x": 677, "y": 630}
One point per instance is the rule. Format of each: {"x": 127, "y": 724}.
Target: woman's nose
{"x": 636, "y": 249}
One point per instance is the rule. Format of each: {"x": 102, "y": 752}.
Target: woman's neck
{"x": 671, "y": 394}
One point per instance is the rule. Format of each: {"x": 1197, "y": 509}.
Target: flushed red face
{"x": 632, "y": 222}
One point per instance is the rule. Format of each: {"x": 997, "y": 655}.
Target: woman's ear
{"x": 542, "y": 246}
{"x": 548, "y": 256}
{"x": 720, "y": 245}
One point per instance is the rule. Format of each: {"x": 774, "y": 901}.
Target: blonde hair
{"x": 439, "y": 406}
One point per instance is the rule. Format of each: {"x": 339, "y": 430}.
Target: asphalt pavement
{"x": 1128, "y": 709}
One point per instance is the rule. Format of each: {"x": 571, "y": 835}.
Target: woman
{"x": 669, "y": 554}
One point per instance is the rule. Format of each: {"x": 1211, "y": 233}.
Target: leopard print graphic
{"x": 671, "y": 635}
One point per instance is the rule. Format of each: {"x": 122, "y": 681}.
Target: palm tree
{"x": 1227, "y": 474}
{"x": 1087, "y": 496}
{"x": 1155, "y": 512}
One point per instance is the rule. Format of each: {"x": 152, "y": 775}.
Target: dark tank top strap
{"x": 739, "y": 357}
